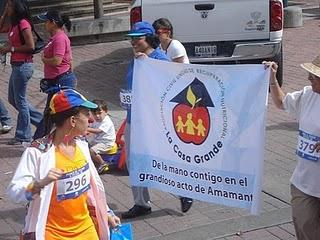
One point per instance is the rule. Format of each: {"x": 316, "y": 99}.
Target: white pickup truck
{"x": 221, "y": 31}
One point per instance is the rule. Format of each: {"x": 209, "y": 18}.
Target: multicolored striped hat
{"x": 67, "y": 99}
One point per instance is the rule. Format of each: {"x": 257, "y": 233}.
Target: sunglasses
{"x": 133, "y": 38}
{"x": 160, "y": 31}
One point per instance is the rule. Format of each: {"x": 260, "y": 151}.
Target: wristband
{"x": 34, "y": 187}
{"x": 110, "y": 212}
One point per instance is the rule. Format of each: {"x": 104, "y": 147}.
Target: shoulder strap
{"x": 168, "y": 46}
{"x": 21, "y": 35}
{"x": 42, "y": 144}
{"x": 35, "y": 32}
{"x": 38, "y": 36}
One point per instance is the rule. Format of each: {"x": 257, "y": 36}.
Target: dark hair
{"x": 102, "y": 105}
{"x": 60, "y": 20}
{"x": 153, "y": 41}
{"x": 163, "y": 23}
{"x": 21, "y": 11}
{"x": 59, "y": 118}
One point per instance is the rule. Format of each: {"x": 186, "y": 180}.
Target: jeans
{"x": 4, "y": 115}
{"x": 27, "y": 114}
{"x": 66, "y": 81}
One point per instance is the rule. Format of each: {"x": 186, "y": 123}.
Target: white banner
{"x": 199, "y": 130}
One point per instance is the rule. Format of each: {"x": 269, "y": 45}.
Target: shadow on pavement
{"x": 10, "y": 151}
{"x": 16, "y": 215}
{"x": 9, "y": 236}
{"x": 12, "y": 217}
{"x": 155, "y": 214}
{"x": 105, "y": 76}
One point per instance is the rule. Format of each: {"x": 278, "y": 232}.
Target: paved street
{"x": 100, "y": 69}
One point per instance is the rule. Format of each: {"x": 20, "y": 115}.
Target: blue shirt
{"x": 156, "y": 54}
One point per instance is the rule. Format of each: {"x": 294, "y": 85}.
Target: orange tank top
{"x": 68, "y": 216}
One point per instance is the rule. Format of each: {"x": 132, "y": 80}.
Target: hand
{"x": 113, "y": 220}
{"x": 53, "y": 174}
{"x": 272, "y": 65}
{"x": 274, "y": 68}
{"x": 140, "y": 55}
{"x": 317, "y": 147}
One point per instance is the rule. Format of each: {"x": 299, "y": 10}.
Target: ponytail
{"x": 66, "y": 22}
{"x": 54, "y": 15}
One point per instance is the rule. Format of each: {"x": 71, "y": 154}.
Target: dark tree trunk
{"x": 98, "y": 8}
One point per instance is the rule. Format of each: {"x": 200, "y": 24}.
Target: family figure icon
{"x": 190, "y": 126}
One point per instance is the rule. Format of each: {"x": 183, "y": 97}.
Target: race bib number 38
{"x": 125, "y": 98}
{"x": 306, "y": 146}
{"x": 73, "y": 184}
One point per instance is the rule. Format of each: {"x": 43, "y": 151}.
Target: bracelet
{"x": 273, "y": 84}
{"x": 34, "y": 187}
{"x": 110, "y": 212}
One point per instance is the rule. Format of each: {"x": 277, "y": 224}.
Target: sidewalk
{"x": 101, "y": 72}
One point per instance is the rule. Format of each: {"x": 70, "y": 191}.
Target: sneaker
{"x": 136, "y": 211}
{"x": 15, "y": 141}
{"x": 103, "y": 168}
{"x": 5, "y": 129}
{"x": 186, "y": 204}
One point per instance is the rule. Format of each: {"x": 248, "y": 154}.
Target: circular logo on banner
{"x": 198, "y": 124}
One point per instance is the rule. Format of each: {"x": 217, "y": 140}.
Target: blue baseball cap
{"x": 50, "y": 15}
{"x": 141, "y": 29}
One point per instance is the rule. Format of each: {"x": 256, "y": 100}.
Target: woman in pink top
{"x": 21, "y": 45}
{"x": 57, "y": 59}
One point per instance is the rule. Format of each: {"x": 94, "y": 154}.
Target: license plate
{"x": 205, "y": 50}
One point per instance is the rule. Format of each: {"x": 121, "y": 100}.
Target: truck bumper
{"x": 245, "y": 51}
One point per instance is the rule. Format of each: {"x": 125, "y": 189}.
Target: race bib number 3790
{"x": 73, "y": 184}
{"x": 306, "y": 146}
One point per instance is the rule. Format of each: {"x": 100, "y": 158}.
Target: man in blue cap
{"x": 145, "y": 43}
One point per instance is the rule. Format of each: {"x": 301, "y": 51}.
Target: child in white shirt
{"x": 102, "y": 135}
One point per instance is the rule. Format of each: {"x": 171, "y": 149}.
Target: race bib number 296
{"x": 306, "y": 146}
{"x": 73, "y": 184}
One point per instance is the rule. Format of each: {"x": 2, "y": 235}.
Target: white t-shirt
{"x": 304, "y": 105}
{"x": 176, "y": 50}
{"x": 108, "y": 134}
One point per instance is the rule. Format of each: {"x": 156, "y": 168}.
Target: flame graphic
{"x": 191, "y": 97}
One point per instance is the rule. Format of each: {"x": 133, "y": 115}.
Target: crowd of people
{"x": 64, "y": 159}
{"x": 58, "y": 163}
